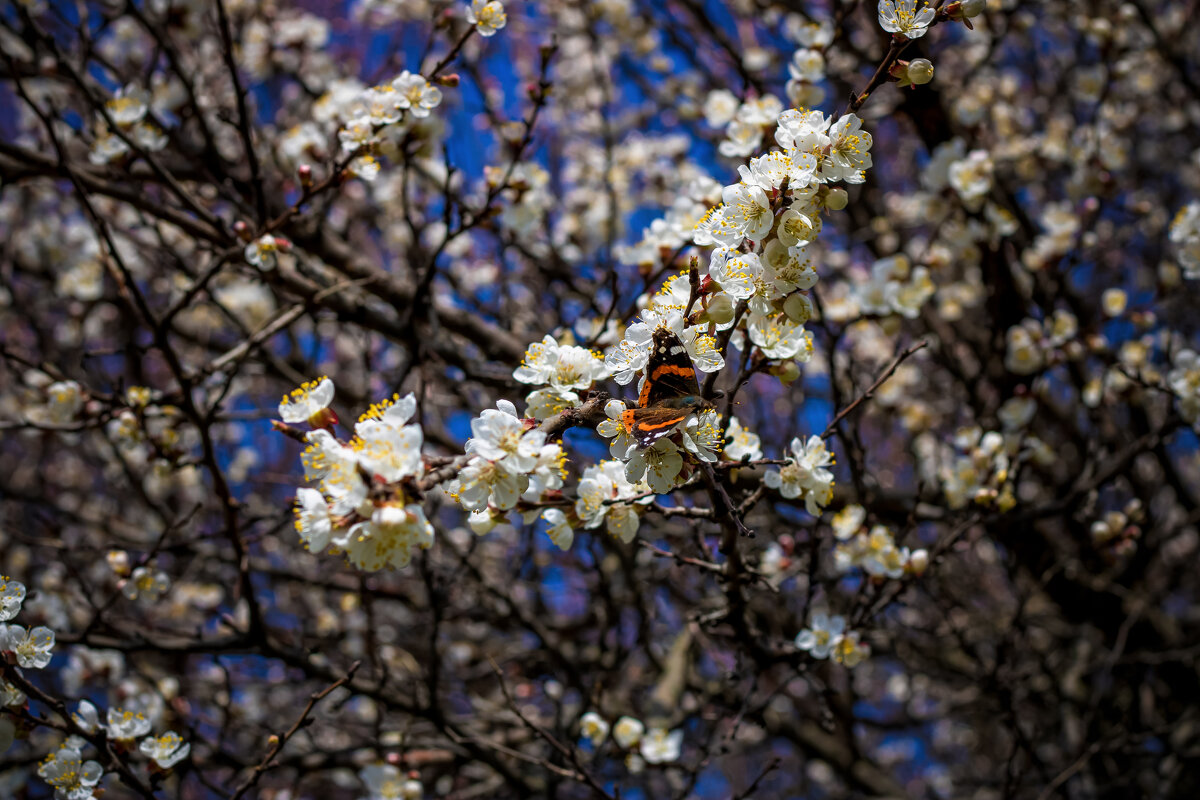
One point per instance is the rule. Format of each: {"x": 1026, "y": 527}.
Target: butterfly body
{"x": 669, "y": 395}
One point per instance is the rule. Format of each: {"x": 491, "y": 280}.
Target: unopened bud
{"x": 242, "y": 230}
{"x": 787, "y": 372}
{"x": 720, "y": 309}
{"x": 836, "y": 199}
{"x": 920, "y": 71}
{"x": 325, "y": 418}
{"x": 450, "y": 80}
{"x": 305, "y": 174}
{"x": 798, "y": 307}
{"x": 118, "y": 561}
{"x": 1113, "y": 302}
{"x": 972, "y": 8}
{"x": 482, "y": 522}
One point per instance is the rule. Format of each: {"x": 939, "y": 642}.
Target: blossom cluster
{"x": 508, "y": 460}
{"x": 366, "y": 504}
{"x": 873, "y": 550}
{"x": 561, "y": 372}
{"x": 383, "y": 113}
{"x": 385, "y": 781}
{"x": 654, "y": 745}
{"x": 127, "y": 112}
{"x": 65, "y": 769}
{"x": 981, "y": 471}
{"x": 827, "y": 637}
{"x": 805, "y": 474}
{"x": 758, "y": 275}
{"x": 1032, "y": 344}
{"x": 1117, "y": 531}
{"x": 1185, "y": 235}
{"x": 1009, "y": 286}
{"x": 1184, "y": 380}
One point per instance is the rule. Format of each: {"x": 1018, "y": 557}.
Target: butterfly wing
{"x": 670, "y": 377}
{"x": 648, "y": 425}
{"x": 669, "y": 373}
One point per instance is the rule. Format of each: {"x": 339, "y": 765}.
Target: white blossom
{"x": 558, "y": 528}
{"x": 805, "y": 475}
{"x": 736, "y": 273}
{"x": 594, "y": 728}
{"x": 613, "y": 428}
{"x": 659, "y": 746}
{"x": 391, "y": 537}
{"x": 500, "y": 435}
{"x": 903, "y": 18}
{"x": 658, "y": 464}
{"x": 564, "y": 367}
{"x": 165, "y": 751}
{"x": 126, "y": 724}
{"x": 304, "y": 403}
{"x": 313, "y": 522}
{"x": 384, "y": 445}
{"x": 31, "y": 648}
{"x": 146, "y": 585}
{"x": 12, "y": 594}
{"x": 71, "y": 776}
{"x": 744, "y": 444}
{"x": 628, "y": 732}
{"x": 487, "y": 16}
{"x": 822, "y": 634}
{"x": 702, "y": 435}
{"x": 417, "y": 96}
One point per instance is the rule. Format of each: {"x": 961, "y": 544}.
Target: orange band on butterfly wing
{"x": 671, "y": 369}
{"x": 644, "y": 396}
{"x": 654, "y": 426}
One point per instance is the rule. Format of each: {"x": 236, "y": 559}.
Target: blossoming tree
{"x": 745, "y": 399}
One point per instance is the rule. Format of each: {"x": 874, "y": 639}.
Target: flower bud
{"x": 323, "y": 418}
{"x": 482, "y": 522}
{"x": 972, "y": 8}
{"x": 798, "y": 308}
{"x": 720, "y": 309}
{"x": 450, "y": 79}
{"x": 118, "y": 561}
{"x": 920, "y": 71}
{"x": 786, "y": 371}
{"x": 836, "y": 199}
{"x": 1113, "y": 301}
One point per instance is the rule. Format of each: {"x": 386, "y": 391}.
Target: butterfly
{"x": 670, "y": 394}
